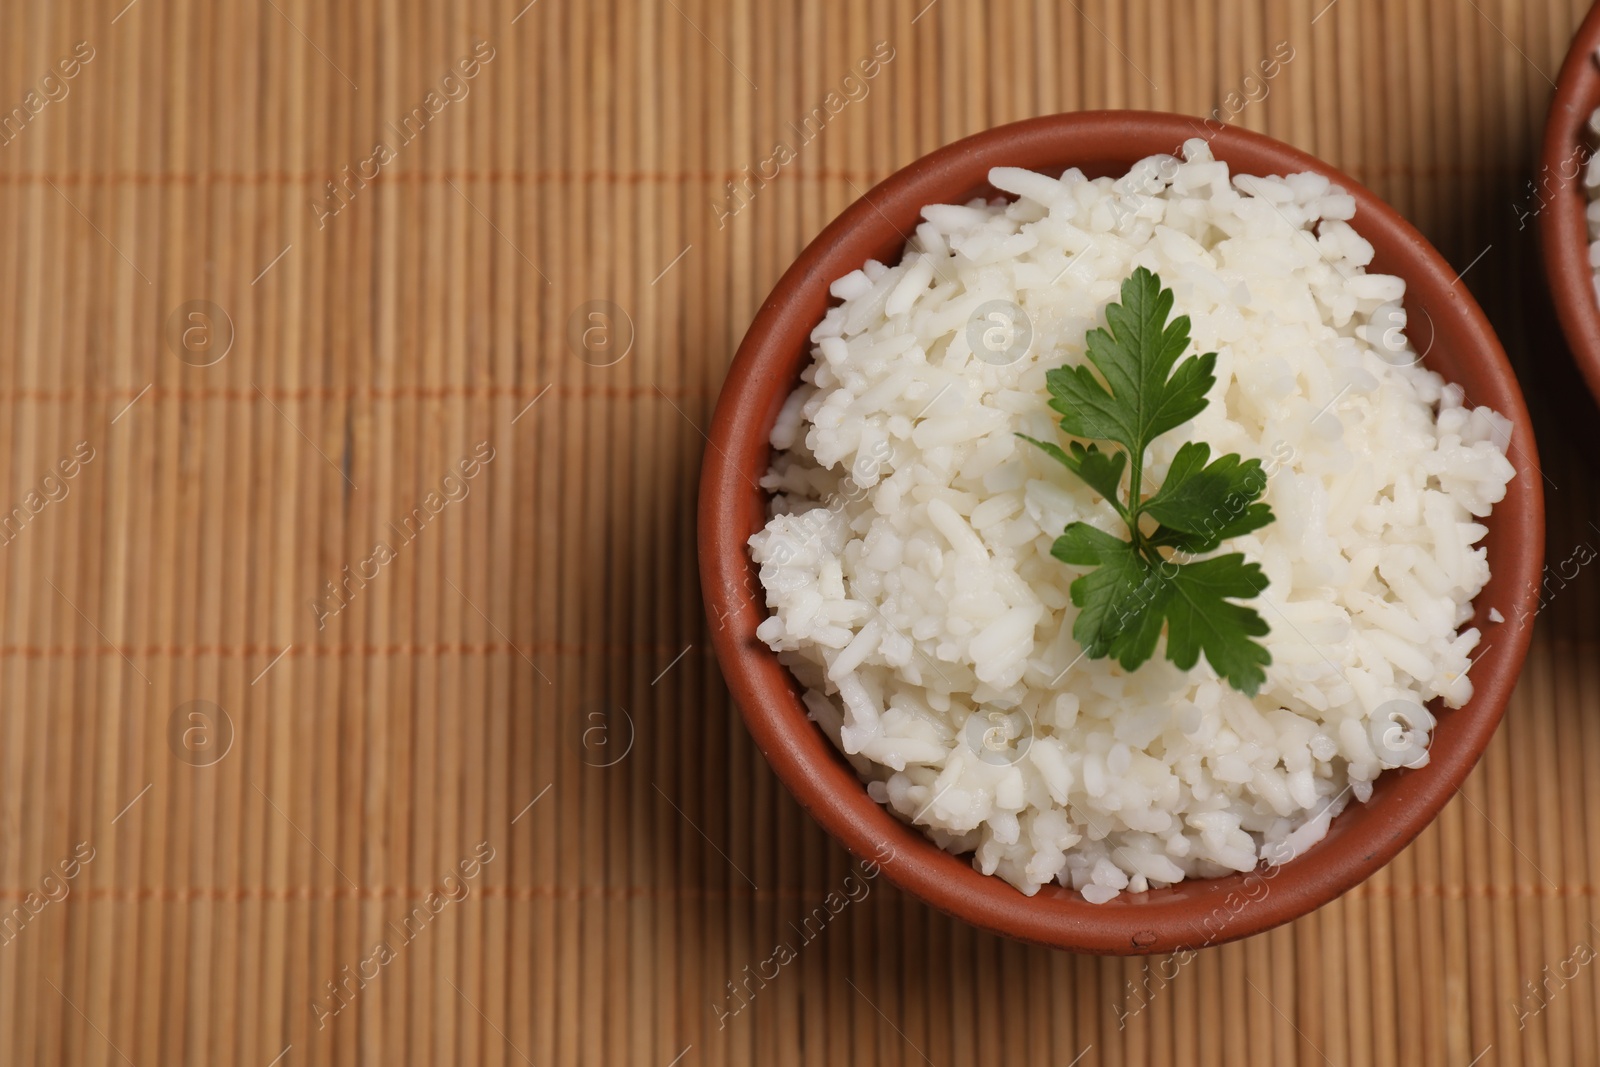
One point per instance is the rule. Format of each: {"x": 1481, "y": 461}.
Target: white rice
{"x": 907, "y": 563}
{"x": 1591, "y": 190}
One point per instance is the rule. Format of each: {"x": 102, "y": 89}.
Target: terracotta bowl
{"x": 1558, "y": 200}
{"x": 1459, "y": 344}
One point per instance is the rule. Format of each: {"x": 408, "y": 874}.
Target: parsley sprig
{"x": 1151, "y": 580}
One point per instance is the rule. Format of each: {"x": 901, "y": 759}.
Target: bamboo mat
{"x": 271, "y": 794}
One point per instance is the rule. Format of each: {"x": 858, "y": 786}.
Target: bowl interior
{"x": 1446, "y": 324}
{"x": 1556, "y": 197}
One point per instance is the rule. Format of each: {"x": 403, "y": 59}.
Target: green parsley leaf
{"x": 1199, "y": 505}
{"x": 1137, "y": 588}
{"x": 1136, "y": 356}
{"x": 1111, "y": 594}
{"x": 1101, "y": 470}
{"x": 1201, "y": 617}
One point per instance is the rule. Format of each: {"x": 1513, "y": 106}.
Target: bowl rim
{"x": 763, "y": 372}
{"x": 1563, "y": 231}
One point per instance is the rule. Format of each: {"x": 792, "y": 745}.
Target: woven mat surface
{"x": 355, "y": 697}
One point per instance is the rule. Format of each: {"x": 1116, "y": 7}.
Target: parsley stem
{"x": 1131, "y": 515}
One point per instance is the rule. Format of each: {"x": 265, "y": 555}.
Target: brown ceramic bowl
{"x": 1462, "y": 347}
{"x": 1558, "y": 200}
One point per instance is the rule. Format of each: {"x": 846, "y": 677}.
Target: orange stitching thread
{"x": 234, "y": 894}
{"x": 441, "y": 648}
{"x": 1400, "y": 170}
{"x": 1476, "y": 892}
{"x": 357, "y": 392}
{"x": 415, "y": 177}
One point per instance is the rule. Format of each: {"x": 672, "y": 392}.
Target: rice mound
{"x": 1591, "y": 193}
{"x": 907, "y": 561}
